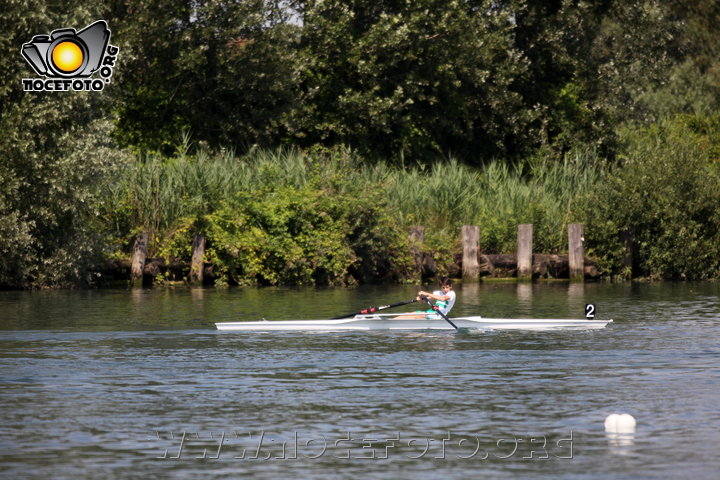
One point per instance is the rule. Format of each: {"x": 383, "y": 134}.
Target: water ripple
{"x": 119, "y": 401}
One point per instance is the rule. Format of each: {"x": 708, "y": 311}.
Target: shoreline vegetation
{"x": 300, "y": 142}
{"x": 326, "y": 217}
{"x": 329, "y": 217}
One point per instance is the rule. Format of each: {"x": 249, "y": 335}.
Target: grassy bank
{"x": 327, "y": 217}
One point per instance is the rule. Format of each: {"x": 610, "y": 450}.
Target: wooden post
{"x": 138, "y": 259}
{"x": 576, "y": 252}
{"x": 524, "y": 251}
{"x": 471, "y": 246}
{"x": 196, "y": 265}
{"x": 417, "y": 234}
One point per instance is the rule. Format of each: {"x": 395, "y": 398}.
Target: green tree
{"x": 55, "y": 154}
{"x": 596, "y": 65}
{"x": 635, "y": 47}
{"x": 666, "y": 194}
{"x": 555, "y": 38}
{"x": 692, "y": 84}
{"x": 418, "y": 78}
{"x": 222, "y": 70}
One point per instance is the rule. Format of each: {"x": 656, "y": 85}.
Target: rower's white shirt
{"x": 451, "y": 300}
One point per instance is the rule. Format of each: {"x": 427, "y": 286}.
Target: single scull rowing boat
{"x": 407, "y": 322}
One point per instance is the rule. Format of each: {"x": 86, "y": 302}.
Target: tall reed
{"x": 496, "y": 197}
{"x": 158, "y": 193}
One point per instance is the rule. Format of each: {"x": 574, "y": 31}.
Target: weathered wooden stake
{"x": 138, "y": 259}
{"x": 471, "y": 246}
{"x": 524, "y": 251}
{"x": 196, "y": 265}
{"x": 576, "y": 252}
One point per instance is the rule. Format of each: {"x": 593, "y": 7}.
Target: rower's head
{"x": 445, "y": 283}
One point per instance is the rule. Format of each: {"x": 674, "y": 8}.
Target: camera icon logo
{"x": 67, "y": 54}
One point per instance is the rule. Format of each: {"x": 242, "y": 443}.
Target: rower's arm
{"x": 435, "y": 297}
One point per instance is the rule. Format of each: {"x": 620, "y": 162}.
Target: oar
{"x": 437, "y": 309}
{"x": 375, "y": 309}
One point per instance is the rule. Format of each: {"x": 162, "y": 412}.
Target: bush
{"x": 667, "y": 194}
{"x": 51, "y": 197}
{"x": 271, "y": 217}
{"x": 304, "y": 236}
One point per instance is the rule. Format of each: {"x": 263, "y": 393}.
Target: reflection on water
{"x": 100, "y": 384}
{"x": 524, "y": 298}
{"x": 620, "y": 443}
{"x": 469, "y": 290}
{"x": 576, "y": 299}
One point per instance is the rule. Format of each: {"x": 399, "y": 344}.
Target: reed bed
{"x": 497, "y": 197}
{"x": 355, "y": 201}
{"x": 157, "y": 192}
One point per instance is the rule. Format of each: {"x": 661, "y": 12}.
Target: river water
{"x": 139, "y": 384}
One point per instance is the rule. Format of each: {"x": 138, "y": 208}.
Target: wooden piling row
{"x": 471, "y": 256}
{"x": 140, "y": 247}
{"x": 197, "y": 266}
{"x": 471, "y": 251}
{"x": 138, "y": 260}
{"x": 576, "y": 252}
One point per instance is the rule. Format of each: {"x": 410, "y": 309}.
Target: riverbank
{"x": 503, "y": 268}
{"x": 331, "y": 217}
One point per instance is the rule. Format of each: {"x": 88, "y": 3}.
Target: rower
{"x": 444, "y": 298}
{"x": 444, "y": 301}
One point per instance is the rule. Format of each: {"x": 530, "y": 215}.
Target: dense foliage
{"x": 270, "y": 217}
{"x": 433, "y": 112}
{"x": 666, "y": 195}
{"x": 55, "y": 156}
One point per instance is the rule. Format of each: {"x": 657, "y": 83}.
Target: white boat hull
{"x": 398, "y": 322}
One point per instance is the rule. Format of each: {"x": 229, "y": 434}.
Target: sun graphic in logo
{"x": 67, "y": 56}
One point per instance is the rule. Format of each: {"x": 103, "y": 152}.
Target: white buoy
{"x": 620, "y": 423}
